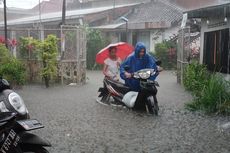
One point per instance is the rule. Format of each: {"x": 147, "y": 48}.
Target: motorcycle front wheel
{"x": 152, "y": 105}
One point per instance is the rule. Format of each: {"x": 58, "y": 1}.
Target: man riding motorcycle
{"x": 138, "y": 60}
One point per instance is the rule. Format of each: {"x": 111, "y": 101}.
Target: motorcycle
{"x": 10, "y": 101}
{"x": 15, "y": 138}
{"x": 144, "y": 100}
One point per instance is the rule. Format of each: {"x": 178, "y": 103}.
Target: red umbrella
{"x": 123, "y": 50}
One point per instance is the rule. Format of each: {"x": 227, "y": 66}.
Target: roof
{"x": 210, "y": 11}
{"x": 193, "y": 4}
{"x": 14, "y": 10}
{"x": 159, "y": 11}
{"x": 49, "y": 17}
{"x": 49, "y": 6}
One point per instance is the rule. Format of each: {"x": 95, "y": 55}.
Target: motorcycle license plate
{"x": 31, "y": 124}
{"x": 10, "y": 143}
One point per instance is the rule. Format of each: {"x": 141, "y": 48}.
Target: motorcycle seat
{"x": 118, "y": 86}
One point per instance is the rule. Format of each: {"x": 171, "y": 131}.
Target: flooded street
{"x": 75, "y": 123}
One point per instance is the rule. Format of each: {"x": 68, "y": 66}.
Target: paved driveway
{"x": 76, "y": 123}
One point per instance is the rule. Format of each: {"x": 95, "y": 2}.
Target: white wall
{"x": 158, "y": 35}
{"x": 114, "y": 37}
{"x": 170, "y": 32}
{"x": 155, "y": 37}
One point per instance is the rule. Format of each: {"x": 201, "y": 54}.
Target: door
{"x": 216, "y": 50}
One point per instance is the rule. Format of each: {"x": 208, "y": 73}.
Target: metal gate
{"x": 73, "y": 54}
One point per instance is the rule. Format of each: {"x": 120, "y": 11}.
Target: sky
{"x": 26, "y": 4}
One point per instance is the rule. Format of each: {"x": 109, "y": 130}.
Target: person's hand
{"x": 159, "y": 69}
{"x": 128, "y": 75}
{"x": 116, "y": 78}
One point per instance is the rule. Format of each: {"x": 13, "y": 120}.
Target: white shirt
{"x": 113, "y": 67}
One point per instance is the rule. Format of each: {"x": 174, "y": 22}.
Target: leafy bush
{"x": 215, "y": 97}
{"x": 195, "y": 78}
{"x": 4, "y": 54}
{"x": 13, "y": 71}
{"x": 166, "y": 52}
{"x": 11, "y": 68}
{"x": 211, "y": 91}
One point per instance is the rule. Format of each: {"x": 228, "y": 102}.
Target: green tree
{"x": 48, "y": 51}
{"x": 166, "y": 52}
{"x": 95, "y": 42}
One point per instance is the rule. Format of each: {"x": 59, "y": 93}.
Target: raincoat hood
{"x": 138, "y": 48}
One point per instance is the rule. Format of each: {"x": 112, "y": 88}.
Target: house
{"x": 154, "y": 21}
{"x": 150, "y": 22}
{"x": 215, "y": 27}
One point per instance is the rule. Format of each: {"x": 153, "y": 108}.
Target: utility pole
{"x": 5, "y": 23}
{"x": 40, "y": 20}
{"x": 63, "y": 11}
{"x": 114, "y": 10}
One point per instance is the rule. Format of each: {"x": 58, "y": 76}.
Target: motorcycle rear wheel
{"x": 38, "y": 150}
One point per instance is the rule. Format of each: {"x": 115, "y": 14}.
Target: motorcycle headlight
{"x": 3, "y": 107}
{"x": 17, "y": 102}
{"x": 145, "y": 75}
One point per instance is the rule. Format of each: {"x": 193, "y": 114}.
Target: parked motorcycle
{"x": 10, "y": 101}
{"x": 144, "y": 100}
{"x": 15, "y": 138}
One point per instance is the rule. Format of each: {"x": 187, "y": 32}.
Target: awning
{"x": 211, "y": 11}
{"x": 109, "y": 26}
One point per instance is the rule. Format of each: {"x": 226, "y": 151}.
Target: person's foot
{"x": 116, "y": 103}
{"x": 103, "y": 102}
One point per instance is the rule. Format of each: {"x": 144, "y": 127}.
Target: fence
{"x": 71, "y": 58}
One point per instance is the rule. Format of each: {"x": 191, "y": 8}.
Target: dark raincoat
{"x": 136, "y": 63}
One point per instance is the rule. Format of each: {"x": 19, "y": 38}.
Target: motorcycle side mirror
{"x": 158, "y": 62}
{"x": 126, "y": 67}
